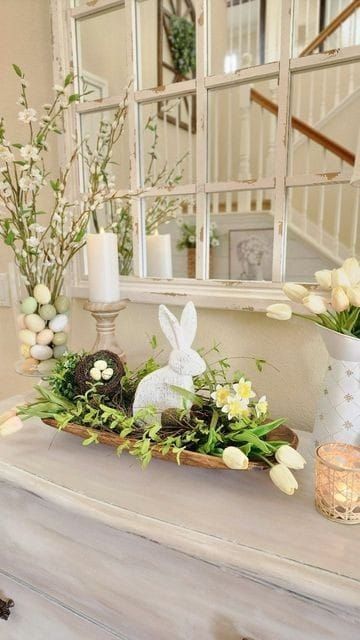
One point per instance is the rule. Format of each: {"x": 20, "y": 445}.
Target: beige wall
{"x": 293, "y": 348}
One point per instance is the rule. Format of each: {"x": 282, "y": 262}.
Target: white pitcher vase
{"x": 338, "y": 411}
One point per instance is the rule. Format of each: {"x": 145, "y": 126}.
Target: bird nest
{"x": 110, "y": 388}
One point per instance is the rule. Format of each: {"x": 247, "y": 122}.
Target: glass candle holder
{"x": 337, "y": 482}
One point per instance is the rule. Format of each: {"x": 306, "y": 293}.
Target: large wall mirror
{"x": 240, "y": 139}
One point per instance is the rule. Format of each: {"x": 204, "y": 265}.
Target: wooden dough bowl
{"x": 189, "y": 458}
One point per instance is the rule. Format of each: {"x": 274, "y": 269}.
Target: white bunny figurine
{"x": 184, "y": 363}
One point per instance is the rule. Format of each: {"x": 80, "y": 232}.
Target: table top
{"x": 236, "y": 519}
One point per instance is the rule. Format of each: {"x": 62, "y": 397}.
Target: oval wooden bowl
{"x": 189, "y": 458}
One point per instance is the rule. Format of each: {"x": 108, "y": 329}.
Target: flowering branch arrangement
{"x": 188, "y": 235}
{"x": 226, "y": 419}
{"x": 335, "y": 304}
{"x": 44, "y": 242}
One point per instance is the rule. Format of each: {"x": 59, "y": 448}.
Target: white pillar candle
{"x": 159, "y": 260}
{"x": 103, "y": 267}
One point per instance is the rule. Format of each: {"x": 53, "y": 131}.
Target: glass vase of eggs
{"x": 42, "y": 325}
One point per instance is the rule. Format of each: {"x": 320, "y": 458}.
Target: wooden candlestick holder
{"x": 105, "y": 314}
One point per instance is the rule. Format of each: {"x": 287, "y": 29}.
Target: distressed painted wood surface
{"x": 172, "y": 551}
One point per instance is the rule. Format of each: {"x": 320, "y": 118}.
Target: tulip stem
{"x": 265, "y": 459}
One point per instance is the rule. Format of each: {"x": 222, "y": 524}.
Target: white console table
{"x": 92, "y": 547}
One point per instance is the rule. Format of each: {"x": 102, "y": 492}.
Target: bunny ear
{"x": 188, "y": 323}
{"x": 170, "y": 326}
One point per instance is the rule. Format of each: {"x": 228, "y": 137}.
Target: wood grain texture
{"x": 189, "y": 458}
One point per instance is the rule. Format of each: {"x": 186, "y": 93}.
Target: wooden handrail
{"x": 329, "y": 144}
{"x": 332, "y": 26}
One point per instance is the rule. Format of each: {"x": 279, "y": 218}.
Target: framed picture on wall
{"x": 250, "y": 254}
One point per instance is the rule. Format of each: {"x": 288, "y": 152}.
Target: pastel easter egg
{"x": 47, "y": 312}
{"x": 29, "y": 305}
{"x": 34, "y": 322}
{"x": 42, "y": 294}
{"x": 44, "y": 337}
{"x": 25, "y": 350}
{"x": 62, "y": 304}
{"x": 27, "y": 337}
{"x": 60, "y": 350}
{"x": 41, "y": 352}
{"x": 100, "y": 364}
{"x": 107, "y": 374}
{"x": 59, "y": 338}
{"x": 20, "y": 321}
{"x": 58, "y": 323}
{"x": 46, "y": 366}
{"x": 95, "y": 374}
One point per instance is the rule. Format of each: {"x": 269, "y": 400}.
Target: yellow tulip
{"x": 316, "y": 304}
{"x": 352, "y": 268}
{"x": 295, "y": 292}
{"x": 353, "y": 293}
{"x": 339, "y": 300}
{"x": 279, "y": 311}
{"x": 234, "y": 458}
{"x": 283, "y": 479}
{"x": 339, "y": 278}
{"x": 323, "y": 278}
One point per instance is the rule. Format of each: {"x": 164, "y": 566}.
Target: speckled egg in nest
{"x": 104, "y": 368}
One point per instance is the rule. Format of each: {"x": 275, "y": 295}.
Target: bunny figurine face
{"x": 184, "y": 362}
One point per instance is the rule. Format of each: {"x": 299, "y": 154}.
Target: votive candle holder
{"x": 337, "y": 482}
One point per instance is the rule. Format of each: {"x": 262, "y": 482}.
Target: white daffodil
{"x": 236, "y": 408}
{"x": 316, "y": 304}
{"x": 295, "y": 292}
{"x": 290, "y": 457}
{"x": 279, "y": 311}
{"x": 28, "y": 152}
{"x": 323, "y": 278}
{"x": 243, "y": 389}
{"x": 33, "y": 242}
{"x": 234, "y": 458}
{"x": 26, "y": 183}
{"x": 339, "y": 278}
{"x": 28, "y": 115}
{"x": 221, "y": 395}
{"x": 352, "y": 268}
{"x": 261, "y": 407}
{"x": 283, "y": 479}
{"x": 353, "y": 293}
{"x": 339, "y": 300}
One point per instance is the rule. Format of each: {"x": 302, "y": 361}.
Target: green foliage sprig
{"x": 182, "y": 40}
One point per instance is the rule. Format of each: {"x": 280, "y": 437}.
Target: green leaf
{"x": 9, "y": 239}
{"x": 18, "y": 71}
{"x": 94, "y": 437}
{"x": 75, "y": 97}
{"x": 188, "y": 395}
{"x": 68, "y": 80}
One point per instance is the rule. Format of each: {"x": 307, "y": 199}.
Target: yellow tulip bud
{"x": 279, "y": 311}
{"x": 352, "y": 268}
{"x": 234, "y": 458}
{"x": 339, "y": 300}
{"x": 295, "y": 292}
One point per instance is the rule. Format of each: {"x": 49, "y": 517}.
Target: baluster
{"x": 260, "y": 163}
{"x": 229, "y": 148}
{"x": 355, "y": 223}
{"x": 271, "y": 142}
{"x": 216, "y": 129}
{"x": 244, "y": 197}
{"x": 338, "y": 214}
{"x": 306, "y": 189}
{"x": 164, "y": 107}
{"x": 249, "y": 4}
{"x": 323, "y": 76}
{"x": 256, "y": 53}
{"x": 240, "y": 26}
{"x": 177, "y": 128}
{"x": 322, "y": 202}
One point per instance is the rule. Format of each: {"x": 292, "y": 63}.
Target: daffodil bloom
{"x": 295, "y": 292}
{"x": 323, "y": 278}
{"x": 236, "y": 408}
{"x": 290, "y": 457}
{"x": 234, "y": 458}
{"x": 279, "y": 311}
{"x": 339, "y": 300}
{"x": 261, "y": 407}
{"x": 221, "y": 395}
{"x": 352, "y": 268}
{"x": 283, "y": 479}
{"x": 243, "y": 389}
